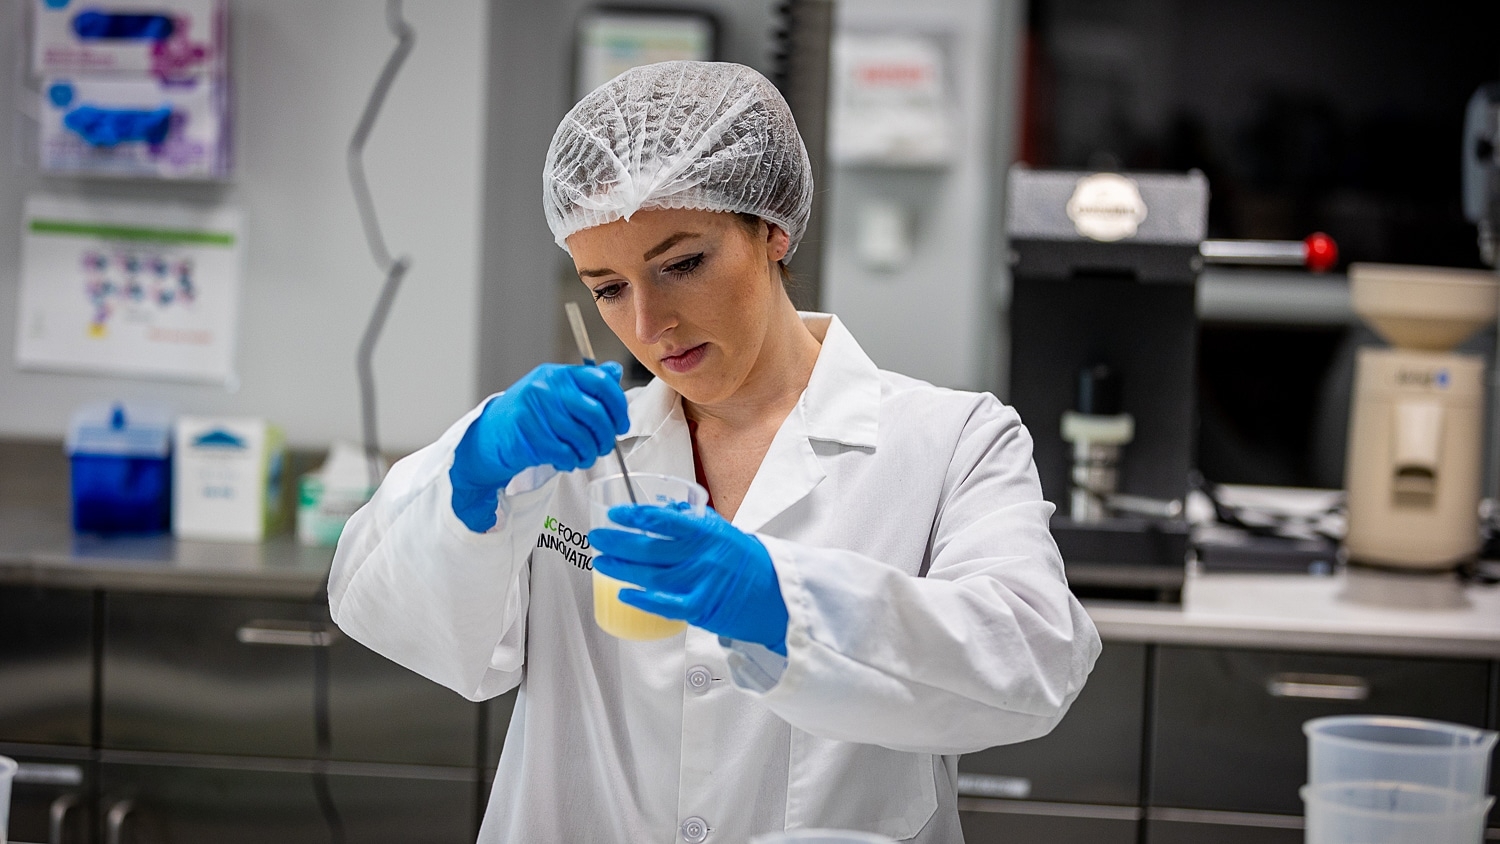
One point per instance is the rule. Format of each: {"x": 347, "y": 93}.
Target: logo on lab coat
{"x": 572, "y": 544}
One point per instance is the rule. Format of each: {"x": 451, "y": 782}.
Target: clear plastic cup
{"x": 821, "y": 836}
{"x": 1371, "y": 748}
{"x": 612, "y": 615}
{"x": 7, "y": 775}
{"x": 1392, "y": 813}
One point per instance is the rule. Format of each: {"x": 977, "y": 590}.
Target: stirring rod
{"x": 586, "y": 351}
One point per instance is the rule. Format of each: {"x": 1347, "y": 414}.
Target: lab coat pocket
{"x": 863, "y": 787}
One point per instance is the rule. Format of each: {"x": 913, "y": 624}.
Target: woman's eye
{"x": 685, "y": 266}
{"x": 608, "y": 291}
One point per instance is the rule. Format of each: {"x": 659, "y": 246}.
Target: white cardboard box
{"x": 226, "y": 478}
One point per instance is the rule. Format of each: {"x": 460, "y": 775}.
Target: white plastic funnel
{"x": 1432, "y": 308}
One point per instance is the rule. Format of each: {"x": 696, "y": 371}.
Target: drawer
{"x": 52, "y": 797}
{"x": 1094, "y": 755}
{"x": 151, "y": 803}
{"x": 46, "y": 665}
{"x": 381, "y": 712}
{"x": 1222, "y": 828}
{"x": 240, "y": 678}
{"x": 1021, "y": 822}
{"x": 1495, "y": 757}
{"x": 497, "y": 721}
{"x": 1228, "y": 735}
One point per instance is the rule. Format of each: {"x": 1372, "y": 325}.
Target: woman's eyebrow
{"x": 650, "y": 253}
{"x": 666, "y": 244}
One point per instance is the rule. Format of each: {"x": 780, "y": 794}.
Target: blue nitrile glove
{"x": 108, "y": 127}
{"x": 700, "y": 569}
{"x": 563, "y": 416}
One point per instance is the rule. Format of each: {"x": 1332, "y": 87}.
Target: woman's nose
{"x": 653, "y": 317}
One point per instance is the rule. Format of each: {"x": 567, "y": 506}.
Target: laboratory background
{"x": 1233, "y": 262}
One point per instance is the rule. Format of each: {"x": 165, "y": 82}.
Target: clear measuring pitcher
{"x": 1392, "y": 813}
{"x": 1383, "y": 748}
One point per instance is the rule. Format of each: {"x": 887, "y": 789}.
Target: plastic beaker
{"x": 1371, "y": 748}
{"x": 1392, "y": 813}
{"x": 611, "y": 614}
{"x": 821, "y": 836}
{"x": 7, "y": 774}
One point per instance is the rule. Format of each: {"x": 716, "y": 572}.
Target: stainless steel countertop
{"x": 1303, "y": 612}
{"x": 1296, "y": 612}
{"x": 38, "y": 546}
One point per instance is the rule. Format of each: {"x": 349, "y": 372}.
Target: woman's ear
{"x": 778, "y": 242}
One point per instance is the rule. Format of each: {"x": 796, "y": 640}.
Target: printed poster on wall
{"x": 612, "y": 41}
{"x": 132, "y": 289}
{"x": 891, "y": 101}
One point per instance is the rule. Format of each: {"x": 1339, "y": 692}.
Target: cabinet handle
{"x": 114, "y": 820}
{"x": 993, "y": 785}
{"x": 57, "y": 817}
{"x": 1318, "y": 686}
{"x": 46, "y": 773}
{"x": 296, "y": 634}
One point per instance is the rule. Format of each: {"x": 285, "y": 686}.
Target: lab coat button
{"x": 699, "y": 679}
{"x": 694, "y": 830}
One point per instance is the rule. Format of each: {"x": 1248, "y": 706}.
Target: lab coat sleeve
{"x": 413, "y": 583}
{"x": 989, "y": 648}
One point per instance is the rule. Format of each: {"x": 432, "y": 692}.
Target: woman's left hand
{"x": 700, "y": 569}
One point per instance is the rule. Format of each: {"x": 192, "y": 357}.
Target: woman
{"x": 874, "y": 592}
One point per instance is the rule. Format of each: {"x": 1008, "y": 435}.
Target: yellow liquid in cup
{"x": 624, "y": 621}
{"x": 613, "y": 616}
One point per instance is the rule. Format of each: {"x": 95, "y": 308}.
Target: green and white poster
{"x": 129, "y": 289}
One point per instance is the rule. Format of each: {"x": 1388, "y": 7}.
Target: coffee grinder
{"x": 1416, "y": 437}
{"x": 1103, "y": 332}
{"x": 1413, "y": 474}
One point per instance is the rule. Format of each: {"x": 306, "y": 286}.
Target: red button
{"x": 1320, "y": 252}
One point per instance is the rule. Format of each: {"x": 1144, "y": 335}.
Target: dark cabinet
{"x": 1226, "y": 754}
{"x": 1226, "y": 829}
{"x": 381, "y": 712}
{"x": 177, "y": 677}
{"x": 46, "y": 665}
{"x": 159, "y": 718}
{"x": 242, "y": 678}
{"x": 210, "y": 711}
{"x": 1093, "y": 756}
{"x": 1227, "y": 724}
{"x": 1494, "y": 724}
{"x": 52, "y": 796}
{"x": 497, "y": 722}
{"x": 1017, "y": 822}
{"x": 228, "y": 805}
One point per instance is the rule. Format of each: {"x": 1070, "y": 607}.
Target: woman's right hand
{"x": 563, "y": 416}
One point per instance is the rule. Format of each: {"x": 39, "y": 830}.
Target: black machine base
{"x": 1126, "y": 559}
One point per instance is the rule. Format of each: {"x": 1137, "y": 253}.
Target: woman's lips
{"x": 685, "y": 361}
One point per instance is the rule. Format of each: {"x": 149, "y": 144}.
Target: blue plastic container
{"x": 121, "y": 467}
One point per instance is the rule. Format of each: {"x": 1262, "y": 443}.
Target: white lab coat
{"x": 928, "y": 617}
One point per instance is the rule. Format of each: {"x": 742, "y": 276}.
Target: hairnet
{"x": 713, "y": 136}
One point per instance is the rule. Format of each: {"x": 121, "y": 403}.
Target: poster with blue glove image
{"x": 132, "y": 289}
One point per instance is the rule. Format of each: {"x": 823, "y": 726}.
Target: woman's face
{"x": 692, "y": 294}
